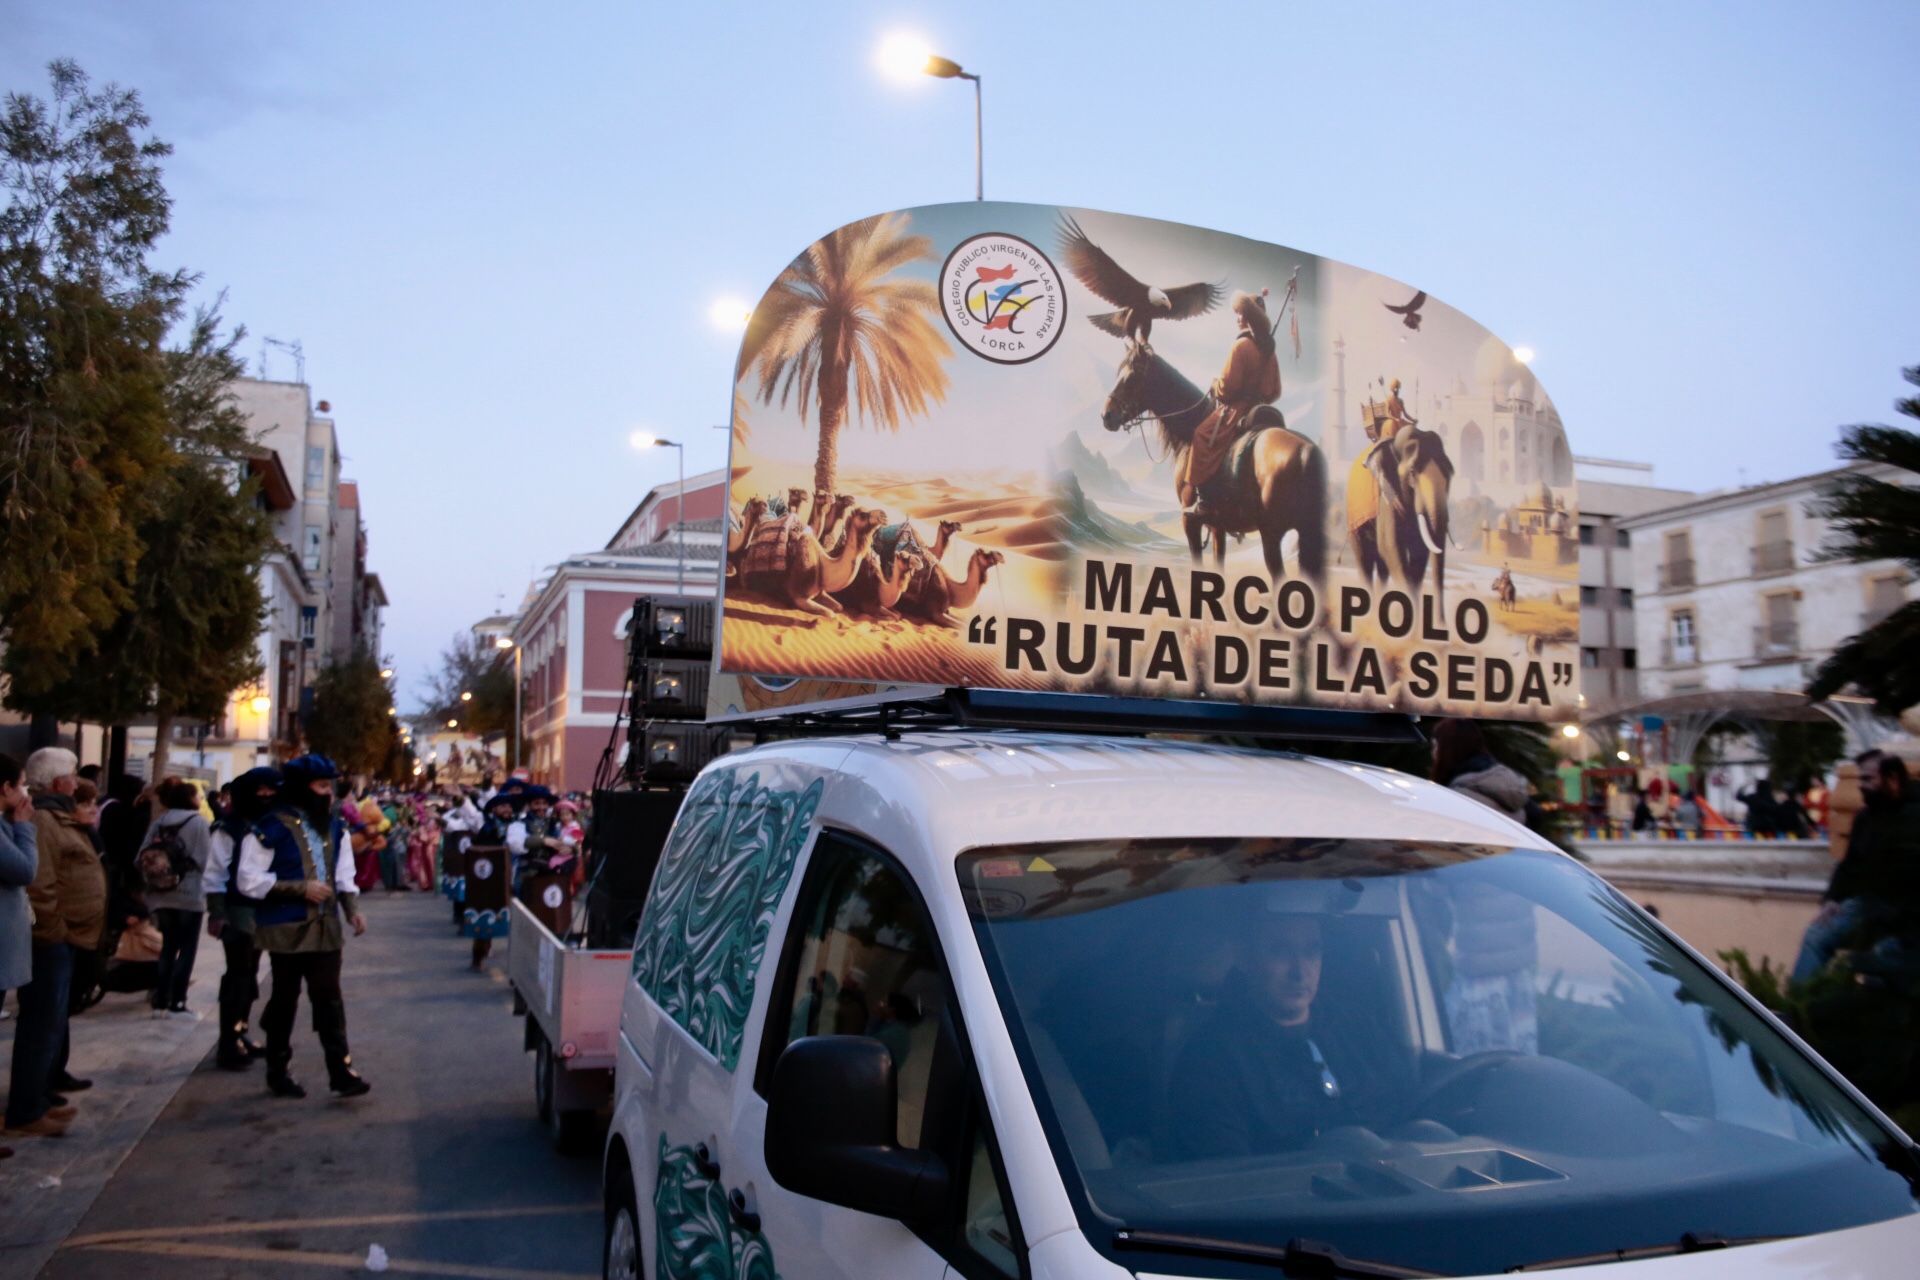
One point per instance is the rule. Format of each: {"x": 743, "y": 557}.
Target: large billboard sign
{"x": 1031, "y": 447}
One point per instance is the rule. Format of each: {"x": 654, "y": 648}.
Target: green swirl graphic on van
{"x": 718, "y": 884}
{"x": 696, "y": 1238}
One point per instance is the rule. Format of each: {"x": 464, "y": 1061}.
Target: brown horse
{"x": 1284, "y": 488}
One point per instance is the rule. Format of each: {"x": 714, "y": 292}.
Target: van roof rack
{"x": 988, "y": 709}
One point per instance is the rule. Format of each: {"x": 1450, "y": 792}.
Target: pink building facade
{"x": 573, "y": 631}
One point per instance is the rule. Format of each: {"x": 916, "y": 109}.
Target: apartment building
{"x": 1610, "y": 657}
{"x": 1731, "y": 591}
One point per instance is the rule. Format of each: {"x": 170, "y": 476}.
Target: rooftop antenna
{"x": 298, "y": 352}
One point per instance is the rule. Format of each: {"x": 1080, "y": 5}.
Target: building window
{"x": 1885, "y": 593}
{"x": 1676, "y": 570}
{"x": 1621, "y": 538}
{"x": 1779, "y": 635}
{"x": 1589, "y": 595}
{"x": 316, "y": 467}
{"x": 1626, "y": 597}
{"x": 1586, "y": 534}
{"x": 1590, "y": 659}
{"x": 1630, "y": 659}
{"x": 310, "y": 557}
{"x": 1682, "y": 637}
{"x": 1773, "y": 546}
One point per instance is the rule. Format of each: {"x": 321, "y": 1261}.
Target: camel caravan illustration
{"x": 848, "y": 560}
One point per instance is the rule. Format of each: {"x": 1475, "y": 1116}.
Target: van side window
{"x": 860, "y": 962}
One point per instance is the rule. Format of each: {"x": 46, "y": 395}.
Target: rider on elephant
{"x": 1251, "y": 379}
{"x": 1394, "y": 439}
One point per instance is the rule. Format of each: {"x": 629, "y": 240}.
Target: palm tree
{"x": 1878, "y": 520}
{"x": 836, "y": 317}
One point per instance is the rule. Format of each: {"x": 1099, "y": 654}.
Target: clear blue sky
{"x": 497, "y": 228}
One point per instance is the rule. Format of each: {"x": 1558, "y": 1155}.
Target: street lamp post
{"x": 903, "y": 55}
{"x": 507, "y": 642}
{"x": 642, "y": 440}
{"x": 946, "y": 69}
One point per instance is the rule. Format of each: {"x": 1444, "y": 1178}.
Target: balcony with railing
{"x": 1776, "y": 640}
{"x": 1676, "y": 574}
{"x": 1773, "y": 557}
{"x": 1679, "y": 653}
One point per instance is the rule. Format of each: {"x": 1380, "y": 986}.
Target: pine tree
{"x": 188, "y": 635}
{"x": 1878, "y": 519}
{"x": 83, "y": 390}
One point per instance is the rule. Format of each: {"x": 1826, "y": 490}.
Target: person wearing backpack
{"x": 171, "y": 860}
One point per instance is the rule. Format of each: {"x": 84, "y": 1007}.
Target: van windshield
{"x": 1447, "y": 1057}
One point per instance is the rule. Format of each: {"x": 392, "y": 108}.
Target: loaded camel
{"x": 897, "y": 555}
{"x": 936, "y": 593}
{"x": 873, "y": 593}
{"x": 738, "y": 538}
{"x": 798, "y": 573}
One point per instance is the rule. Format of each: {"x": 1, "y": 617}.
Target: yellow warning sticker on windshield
{"x": 1039, "y": 864}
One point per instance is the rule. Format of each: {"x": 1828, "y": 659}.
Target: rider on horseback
{"x": 1251, "y": 379}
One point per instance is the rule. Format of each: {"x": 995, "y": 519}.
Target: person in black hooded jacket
{"x": 230, "y": 915}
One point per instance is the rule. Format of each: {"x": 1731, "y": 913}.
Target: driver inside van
{"x": 1268, "y": 1072}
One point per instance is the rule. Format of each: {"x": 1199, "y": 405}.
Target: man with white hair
{"x": 68, "y": 896}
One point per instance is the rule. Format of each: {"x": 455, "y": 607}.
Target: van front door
{"x": 860, "y": 958}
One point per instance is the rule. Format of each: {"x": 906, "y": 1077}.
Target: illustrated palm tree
{"x": 1878, "y": 519}
{"x": 840, "y": 324}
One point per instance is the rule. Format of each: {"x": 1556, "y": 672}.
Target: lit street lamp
{"x": 904, "y": 56}
{"x": 647, "y": 440}
{"x": 466, "y": 695}
{"x": 386, "y": 673}
{"x": 729, "y": 314}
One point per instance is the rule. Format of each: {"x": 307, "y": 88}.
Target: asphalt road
{"x": 444, "y": 1165}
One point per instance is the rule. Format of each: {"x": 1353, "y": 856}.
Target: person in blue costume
{"x": 297, "y": 867}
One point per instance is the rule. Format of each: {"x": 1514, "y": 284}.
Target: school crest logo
{"x": 1002, "y": 298}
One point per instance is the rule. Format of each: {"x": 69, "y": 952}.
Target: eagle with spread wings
{"x": 1139, "y": 304}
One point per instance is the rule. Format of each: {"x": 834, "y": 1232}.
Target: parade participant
{"x": 572, "y": 832}
{"x": 463, "y": 819}
{"x": 500, "y": 828}
{"x": 424, "y": 837}
{"x": 230, "y": 916}
{"x": 540, "y": 844}
{"x": 1251, "y": 378}
{"x": 297, "y": 866}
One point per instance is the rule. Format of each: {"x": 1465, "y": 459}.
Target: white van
{"x": 1045, "y": 1006}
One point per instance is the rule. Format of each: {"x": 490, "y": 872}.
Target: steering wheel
{"x": 1458, "y": 1072}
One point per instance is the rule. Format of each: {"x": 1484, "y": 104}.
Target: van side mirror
{"x": 832, "y": 1131}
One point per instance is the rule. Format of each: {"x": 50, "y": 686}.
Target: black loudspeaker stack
{"x": 669, "y": 662}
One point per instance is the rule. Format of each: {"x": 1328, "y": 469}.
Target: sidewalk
{"x": 137, "y": 1063}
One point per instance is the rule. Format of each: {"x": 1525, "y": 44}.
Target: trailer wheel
{"x": 543, "y": 1068}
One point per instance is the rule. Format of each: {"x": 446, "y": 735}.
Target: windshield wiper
{"x": 1309, "y": 1259}
{"x": 1691, "y": 1242}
